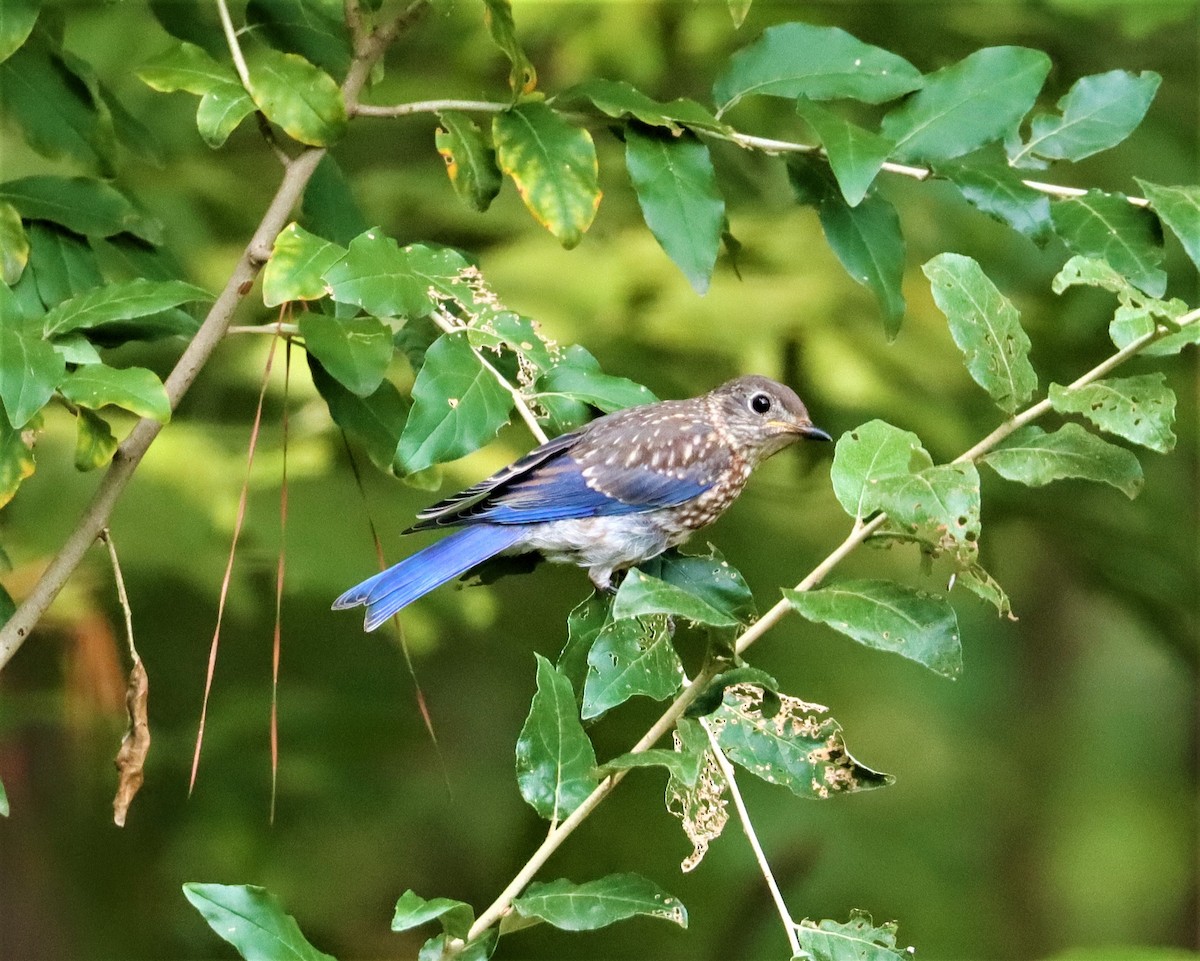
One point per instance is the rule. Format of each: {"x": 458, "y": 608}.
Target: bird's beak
{"x": 803, "y": 430}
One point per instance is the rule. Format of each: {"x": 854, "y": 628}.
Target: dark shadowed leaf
{"x": 377, "y": 421}
{"x": 1033, "y": 457}
{"x": 1179, "y": 209}
{"x": 299, "y": 97}
{"x": 307, "y": 27}
{"x": 497, "y": 14}
{"x": 710, "y": 578}
{"x": 1107, "y": 227}
{"x": 867, "y": 453}
{"x": 595, "y": 904}
{"x": 17, "y": 18}
{"x": 62, "y": 263}
{"x": 81, "y": 204}
{"x": 986, "y": 327}
{"x": 868, "y": 241}
{"x": 253, "y": 921}
{"x": 680, "y": 200}
{"x": 329, "y": 208}
{"x": 470, "y": 160}
{"x": 556, "y": 765}
{"x": 978, "y": 100}
{"x": 888, "y": 617}
{"x": 584, "y": 624}
{"x": 354, "y": 350}
{"x": 996, "y": 189}
{"x": 1141, "y": 409}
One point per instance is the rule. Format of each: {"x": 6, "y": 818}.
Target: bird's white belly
{"x": 603, "y": 543}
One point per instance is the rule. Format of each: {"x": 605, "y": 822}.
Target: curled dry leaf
{"x": 135, "y": 745}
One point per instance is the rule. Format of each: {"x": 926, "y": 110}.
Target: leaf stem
{"x": 235, "y": 48}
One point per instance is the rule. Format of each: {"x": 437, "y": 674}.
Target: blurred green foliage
{"x": 1044, "y": 802}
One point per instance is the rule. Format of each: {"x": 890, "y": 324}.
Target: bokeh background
{"x": 1045, "y": 803}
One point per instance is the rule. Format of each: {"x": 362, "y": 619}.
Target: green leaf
{"x": 224, "y": 103}
{"x": 677, "y": 191}
{"x": 379, "y": 276}
{"x": 94, "y": 440}
{"x": 30, "y": 370}
{"x": 1179, "y": 209}
{"x": 458, "y": 406}
{"x": 596, "y": 904}
{"x": 3, "y": 793}
{"x": 556, "y": 765}
{"x": 62, "y": 263}
{"x": 1033, "y": 457}
{"x": 1098, "y": 112}
{"x": 821, "y": 63}
{"x": 14, "y": 245}
{"x": 621, "y": 100}
{"x": 354, "y": 350}
{"x": 980, "y": 583}
{"x": 54, "y": 108}
{"x": 253, "y": 921}
{"x": 412, "y": 911}
{"x": 682, "y": 765}
{"x": 998, "y": 190}
{"x": 739, "y": 10}
{"x": 117, "y": 303}
{"x": 312, "y": 28}
{"x": 377, "y": 421}
{"x": 980, "y": 99}
{"x": 298, "y": 263}
{"x": 1141, "y": 409}
{"x": 553, "y": 165}
{"x": 497, "y": 15}
{"x": 855, "y": 155}
{"x": 579, "y": 377}
{"x": 784, "y": 740}
{"x": 470, "y": 160}
{"x": 713, "y": 694}
{"x": 986, "y": 327}
{"x": 1107, "y": 227}
{"x": 81, "y": 204}
{"x": 329, "y": 208}
{"x": 439, "y": 948}
{"x": 16, "y": 463}
{"x": 867, "y": 453}
{"x": 888, "y": 617}
{"x": 584, "y": 624}
{"x": 858, "y": 939}
{"x": 868, "y": 242}
{"x": 301, "y": 98}
{"x": 640, "y": 596}
{"x": 17, "y": 18}
{"x": 630, "y": 657}
{"x": 134, "y": 389}
{"x": 708, "y": 578}
{"x": 939, "y": 506}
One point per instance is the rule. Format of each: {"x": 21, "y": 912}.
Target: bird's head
{"x": 764, "y": 416}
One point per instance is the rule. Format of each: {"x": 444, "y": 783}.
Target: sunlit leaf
{"x": 556, "y": 764}
{"x": 470, "y": 160}
{"x": 980, "y": 99}
{"x": 553, "y": 165}
{"x": 680, "y": 200}
{"x": 980, "y": 583}
{"x": 784, "y": 740}
{"x": 224, "y": 103}
{"x": 458, "y": 405}
{"x": 628, "y": 658}
{"x": 579, "y": 376}
{"x": 1141, "y": 409}
{"x": 1179, "y": 209}
{"x": 497, "y": 15}
{"x": 412, "y": 911}
{"x": 81, "y": 204}
{"x": 30, "y": 370}
{"x": 117, "y": 303}
{"x": 986, "y": 327}
{"x": 641, "y": 595}
{"x": 14, "y": 245}
{"x": 16, "y": 461}
{"x": 1107, "y": 227}
{"x": 17, "y": 18}
{"x": 867, "y": 453}
{"x": 596, "y": 904}
{"x": 821, "y": 63}
{"x": 858, "y": 939}
{"x": 888, "y": 617}
{"x": 1098, "y": 112}
{"x": 134, "y": 389}
{"x": 8, "y": 612}
{"x": 1033, "y": 457}
{"x": 855, "y": 155}
{"x": 377, "y": 275}
{"x": 253, "y": 921}
{"x": 301, "y": 98}
{"x": 94, "y": 440}
{"x": 297, "y": 266}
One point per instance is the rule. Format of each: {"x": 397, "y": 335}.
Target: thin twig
{"x": 430, "y": 106}
{"x": 789, "y": 926}
{"x": 235, "y": 48}
{"x": 122, "y": 597}
{"x": 273, "y": 330}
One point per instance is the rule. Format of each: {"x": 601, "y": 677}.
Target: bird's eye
{"x": 760, "y": 403}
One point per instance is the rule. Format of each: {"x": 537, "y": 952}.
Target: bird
{"x": 607, "y": 496}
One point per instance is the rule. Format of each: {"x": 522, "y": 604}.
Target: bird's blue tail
{"x": 400, "y": 585}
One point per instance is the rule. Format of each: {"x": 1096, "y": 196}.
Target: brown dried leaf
{"x": 701, "y": 808}
{"x": 135, "y": 745}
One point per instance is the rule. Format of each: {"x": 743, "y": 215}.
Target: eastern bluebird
{"x": 618, "y": 491}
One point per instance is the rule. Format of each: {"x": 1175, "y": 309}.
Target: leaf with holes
{"x": 298, "y": 263}
{"x": 858, "y": 939}
{"x": 682, "y": 765}
{"x": 1107, "y": 227}
{"x": 1141, "y": 409}
{"x": 867, "y": 453}
{"x": 996, "y": 189}
{"x": 1033, "y": 457}
{"x": 627, "y": 658}
{"x": 1179, "y": 209}
{"x": 784, "y": 740}
{"x": 253, "y": 921}
{"x": 888, "y": 616}
{"x": 822, "y": 63}
{"x": 470, "y": 160}
{"x": 224, "y": 102}
{"x": 641, "y": 595}
{"x": 855, "y": 155}
{"x": 978, "y": 100}
{"x": 556, "y": 764}
{"x": 458, "y": 406}
{"x": 354, "y": 350}
{"x": 596, "y": 904}
{"x": 677, "y": 190}
{"x": 301, "y": 98}
{"x": 115, "y": 304}
{"x": 938, "y": 506}
{"x": 621, "y": 100}
{"x": 553, "y": 165}
{"x": 708, "y": 578}
{"x": 986, "y": 327}
{"x": 134, "y": 389}
{"x": 1098, "y": 112}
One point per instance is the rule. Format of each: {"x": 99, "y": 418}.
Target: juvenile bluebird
{"x": 614, "y": 493}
